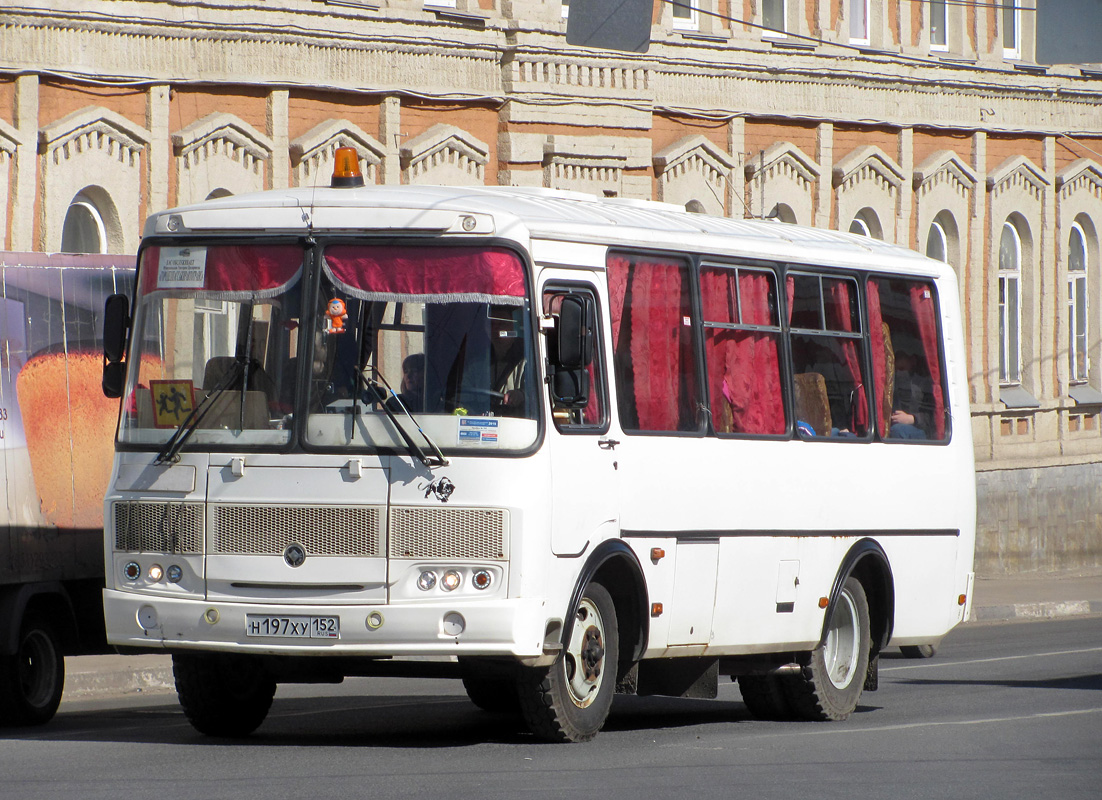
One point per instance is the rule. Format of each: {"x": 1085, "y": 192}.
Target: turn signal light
{"x": 346, "y": 169}
{"x": 962, "y": 599}
{"x": 656, "y": 609}
{"x": 824, "y": 602}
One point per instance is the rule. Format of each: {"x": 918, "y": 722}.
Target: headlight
{"x": 426, "y": 580}
{"x": 451, "y": 580}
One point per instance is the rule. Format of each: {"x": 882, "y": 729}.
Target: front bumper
{"x": 489, "y": 628}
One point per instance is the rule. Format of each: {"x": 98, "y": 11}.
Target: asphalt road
{"x": 1003, "y": 711}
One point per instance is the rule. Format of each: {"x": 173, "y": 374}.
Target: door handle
{"x": 607, "y": 444}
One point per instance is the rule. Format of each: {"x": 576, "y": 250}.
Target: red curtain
{"x": 428, "y": 274}
{"x": 654, "y": 353}
{"x": 925, "y": 312}
{"x": 244, "y": 270}
{"x": 840, "y": 318}
{"x": 744, "y": 382}
{"x": 879, "y": 357}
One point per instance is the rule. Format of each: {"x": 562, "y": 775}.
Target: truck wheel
{"x": 830, "y": 681}
{"x": 223, "y": 695}
{"x": 31, "y": 681}
{"x": 570, "y": 700}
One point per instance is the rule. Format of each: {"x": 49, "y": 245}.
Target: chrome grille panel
{"x": 322, "y": 530}
{"x": 447, "y": 533}
{"x": 158, "y": 527}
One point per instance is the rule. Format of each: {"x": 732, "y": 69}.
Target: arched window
{"x": 1077, "y": 304}
{"x": 866, "y": 223}
{"x": 1010, "y": 305}
{"x": 937, "y": 243}
{"x": 83, "y": 230}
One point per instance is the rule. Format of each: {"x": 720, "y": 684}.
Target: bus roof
{"x": 523, "y": 213}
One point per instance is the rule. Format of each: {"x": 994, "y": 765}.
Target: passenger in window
{"x": 910, "y": 418}
{"x": 412, "y": 389}
{"x": 509, "y": 367}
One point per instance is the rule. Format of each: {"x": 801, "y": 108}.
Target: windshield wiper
{"x": 171, "y": 450}
{"x": 381, "y": 390}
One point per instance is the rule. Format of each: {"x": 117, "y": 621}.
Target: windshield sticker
{"x": 172, "y": 402}
{"x": 182, "y": 268}
{"x": 478, "y": 431}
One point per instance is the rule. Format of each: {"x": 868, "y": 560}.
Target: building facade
{"x": 925, "y": 123}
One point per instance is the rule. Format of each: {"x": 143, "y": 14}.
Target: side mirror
{"x": 114, "y": 377}
{"x": 116, "y": 324}
{"x": 574, "y": 332}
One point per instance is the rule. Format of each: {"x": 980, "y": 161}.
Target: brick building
{"x": 923, "y": 123}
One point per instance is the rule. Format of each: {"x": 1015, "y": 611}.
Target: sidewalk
{"x": 1031, "y": 596}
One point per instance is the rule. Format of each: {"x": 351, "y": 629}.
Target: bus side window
{"x": 654, "y": 357}
{"x": 593, "y": 418}
{"x": 827, "y": 356}
{"x": 907, "y": 361}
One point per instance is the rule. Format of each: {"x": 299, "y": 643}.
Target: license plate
{"x": 293, "y": 627}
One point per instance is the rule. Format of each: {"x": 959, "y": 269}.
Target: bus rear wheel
{"x": 32, "y": 680}
{"x": 223, "y": 695}
{"x": 830, "y": 682}
{"x": 570, "y": 700}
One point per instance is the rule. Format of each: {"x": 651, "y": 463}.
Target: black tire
{"x": 223, "y": 695}
{"x": 32, "y": 680}
{"x": 490, "y": 686}
{"x": 833, "y": 674}
{"x": 765, "y": 697}
{"x": 570, "y": 700}
{"x": 918, "y": 650}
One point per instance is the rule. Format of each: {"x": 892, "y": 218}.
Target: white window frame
{"x": 771, "y": 33}
{"x": 943, "y": 18}
{"x": 82, "y": 202}
{"x": 1010, "y": 21}
{"x": 937, "y": 233}
{"x": 865, "y": 6}
{"x": 689, "y": 23}
{"x": 1010, "y": 317}
{"x": 1078, "y": 306}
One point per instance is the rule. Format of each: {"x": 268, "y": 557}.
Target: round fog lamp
{"x": 132, "y": 571}
{"x": 175, "y": 573}
{"x": 482, "y": 579}
{"x": 156, "y": 572}
{"x": 451, "y": 580}
{"x": 426, "y": 580}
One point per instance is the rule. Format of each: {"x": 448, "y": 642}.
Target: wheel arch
{"x": 616, "y": 567}
{"x": 49, "y": 599}
{"x": 868, "y": 563}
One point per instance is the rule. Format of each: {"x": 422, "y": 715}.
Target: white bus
{"x": 562, "y": 446}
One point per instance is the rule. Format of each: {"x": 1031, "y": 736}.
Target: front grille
{"x": 321, "y": 530}
{"x": 447, "y": 533}
{"x": 159, "y": 527}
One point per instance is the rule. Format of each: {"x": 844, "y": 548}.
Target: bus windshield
{"x": 216, "y": 331}
{"x": 437, "y": 340}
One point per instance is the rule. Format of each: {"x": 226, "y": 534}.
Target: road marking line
{"x": 837, "y": 729}
{"x": 992, "y": 660}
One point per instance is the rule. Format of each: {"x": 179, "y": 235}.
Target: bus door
{"x": 583, "y": 449}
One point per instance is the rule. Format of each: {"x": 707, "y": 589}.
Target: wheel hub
{"x": 593, "y": 653}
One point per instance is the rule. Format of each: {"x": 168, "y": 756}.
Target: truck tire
{"x": 32, "y": 680}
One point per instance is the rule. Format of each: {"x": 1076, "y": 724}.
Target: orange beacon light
{"x": 346, "y": 169}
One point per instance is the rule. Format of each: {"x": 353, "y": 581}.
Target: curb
{"x": 121, "y": 679}
{"x": 1072, "y": 608}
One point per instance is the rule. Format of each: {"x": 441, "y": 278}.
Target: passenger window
{"x": 827, "y": 361}
{"x": 593, "y": 417}
{"x": 652, "y": 339}
{"x": 742, "y": 351}
{"x": 909, "y": 391}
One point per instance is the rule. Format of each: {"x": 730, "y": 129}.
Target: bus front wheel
{"x": 223, "y": 695}
{"x": 830, "y": 682}
{"x": 570, "y": 700}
